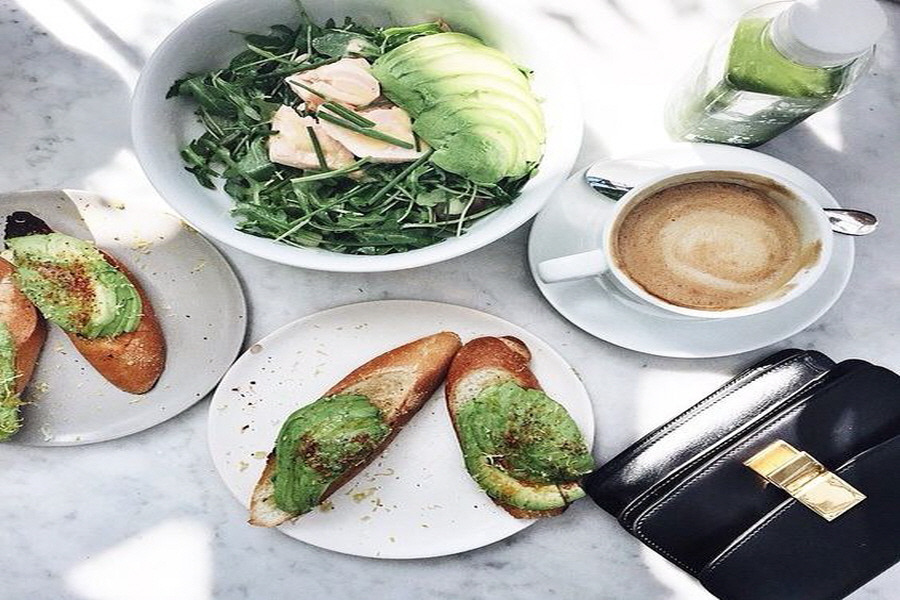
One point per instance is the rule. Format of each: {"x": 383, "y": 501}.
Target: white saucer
{"x": 571, "y": 223}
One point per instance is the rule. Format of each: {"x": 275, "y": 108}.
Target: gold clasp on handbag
{"x": 804, "y": 478}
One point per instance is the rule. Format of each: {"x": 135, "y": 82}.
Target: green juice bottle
{"x": 779, "y": 64}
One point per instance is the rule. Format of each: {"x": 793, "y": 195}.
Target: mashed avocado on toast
{"x": 74, "y": 286}
{"x": 320, "y": 442}
{"x": 523, "y": 448}
{"x": 469, "y": 102}
{"x": 10, "y": 421}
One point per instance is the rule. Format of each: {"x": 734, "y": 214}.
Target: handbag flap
{"x": 694, "y": 516}
{"x": 793, "y": 553}
{"x": 741, "y": 401}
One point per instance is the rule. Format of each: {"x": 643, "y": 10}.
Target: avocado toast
{"x": 22, "y": 335}
{"x": 520, "y": 446}
{"x": 92, "y": 297}
{"x": 324, "y": 444}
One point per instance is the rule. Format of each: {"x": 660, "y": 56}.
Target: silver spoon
{"x": 843, "y": 220}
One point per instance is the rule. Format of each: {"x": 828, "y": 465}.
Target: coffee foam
{"x": 709, "y": 245}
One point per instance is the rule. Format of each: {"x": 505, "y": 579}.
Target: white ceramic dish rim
{"x": 565, "y": 131}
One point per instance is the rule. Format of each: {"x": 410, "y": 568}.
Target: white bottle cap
{"x": 824, "y": 33}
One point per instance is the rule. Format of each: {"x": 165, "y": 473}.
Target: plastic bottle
{"x": 779, "y": 64}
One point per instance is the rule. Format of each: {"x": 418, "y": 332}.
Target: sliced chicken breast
{"x": 348, "y": 81}
{"x": 393, "y": 121}
{"x": 293, "y": 146}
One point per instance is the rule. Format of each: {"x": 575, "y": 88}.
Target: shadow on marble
{"x": 67, "y": 111}
{"x": 130, "y": 53}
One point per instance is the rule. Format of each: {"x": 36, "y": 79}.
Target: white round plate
{"x": 572, "y": 222}
{"x": 198, "y": 301}
{"x": 414, "y": 501}
{"x": 161, "y": 127}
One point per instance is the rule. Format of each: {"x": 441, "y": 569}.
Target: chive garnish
{"x": 318, "y": 148}
{"x": 342, "y": 111}
{"x": 372, "y": 133}
{"x": 331, "y": 174}
{"x": 292, "y": 70}
{"x": 400, "y": 177}
{"x": 309, "y": 89}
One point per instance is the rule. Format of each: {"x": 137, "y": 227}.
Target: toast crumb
{"x": 361, "y": 495}
{"x": 142, "y": 246}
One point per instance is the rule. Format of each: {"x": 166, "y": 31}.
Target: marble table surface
{"x": 147, "y": 516}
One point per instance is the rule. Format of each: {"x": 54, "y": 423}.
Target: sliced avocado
{"x": 481, "y": 154}
{"x": 523, "y": 448}
{"x": 74, "y": 286}
{"x": 425, "y": 59}
{"x": 502, "y": 137}
{"x": 455, "y": 64}
{"x": 471, "y": 104}
{"x": 426, "y": 43}
{"x": 526, "y": 109}
{"x": 320, "y": 442}
{"x": 451, "y": 60}
{"x": 443, "y": 120}
{"x": 10, "y": 419}
{"x": 528, "y": 496}
{"x": 441, "y": 90}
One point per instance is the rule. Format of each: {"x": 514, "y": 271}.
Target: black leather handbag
{"x": 784, "y": 484}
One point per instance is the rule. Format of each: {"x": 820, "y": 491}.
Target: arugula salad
{"x": 364, "y": 140}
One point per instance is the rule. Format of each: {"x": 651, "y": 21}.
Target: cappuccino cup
{"x": 707, "y": 243}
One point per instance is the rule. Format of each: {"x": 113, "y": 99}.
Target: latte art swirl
{"x": 709, "y": 245}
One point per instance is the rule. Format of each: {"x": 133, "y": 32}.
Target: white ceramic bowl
{"x": 161, "y": 127}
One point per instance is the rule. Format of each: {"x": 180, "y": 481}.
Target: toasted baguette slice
{"x": 25, "y": 323}
{"x": 485, "y": 362}
{"x": 398, "y": 382}
{"x": 133, "y": 362}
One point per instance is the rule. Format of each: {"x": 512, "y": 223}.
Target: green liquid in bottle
{"x": 756, "y": 65}
{"x": 747, "y": 92}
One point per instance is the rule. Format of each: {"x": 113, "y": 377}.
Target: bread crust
{"x": 501, "y": 359}
{"x": 133, "y": 362}
{"x": 507, "y": 354}
{"x": 26, "y": 325}
{"x": 420, "y": 365}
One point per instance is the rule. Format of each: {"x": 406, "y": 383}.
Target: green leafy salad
{"x": 364, "y": 140}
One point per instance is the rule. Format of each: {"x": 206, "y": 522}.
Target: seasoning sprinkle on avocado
{"x": 74, "y": 286}
{"x": 523, "y": 448}
{"x": 320, "y": 442}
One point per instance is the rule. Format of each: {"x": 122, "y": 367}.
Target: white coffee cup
{"x": 811, "y": 220}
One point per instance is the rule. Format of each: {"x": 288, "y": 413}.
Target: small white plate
{"x": 414, "y": 501}
{"x": 572, "y": 222}
{"x": 198, "y": 301}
